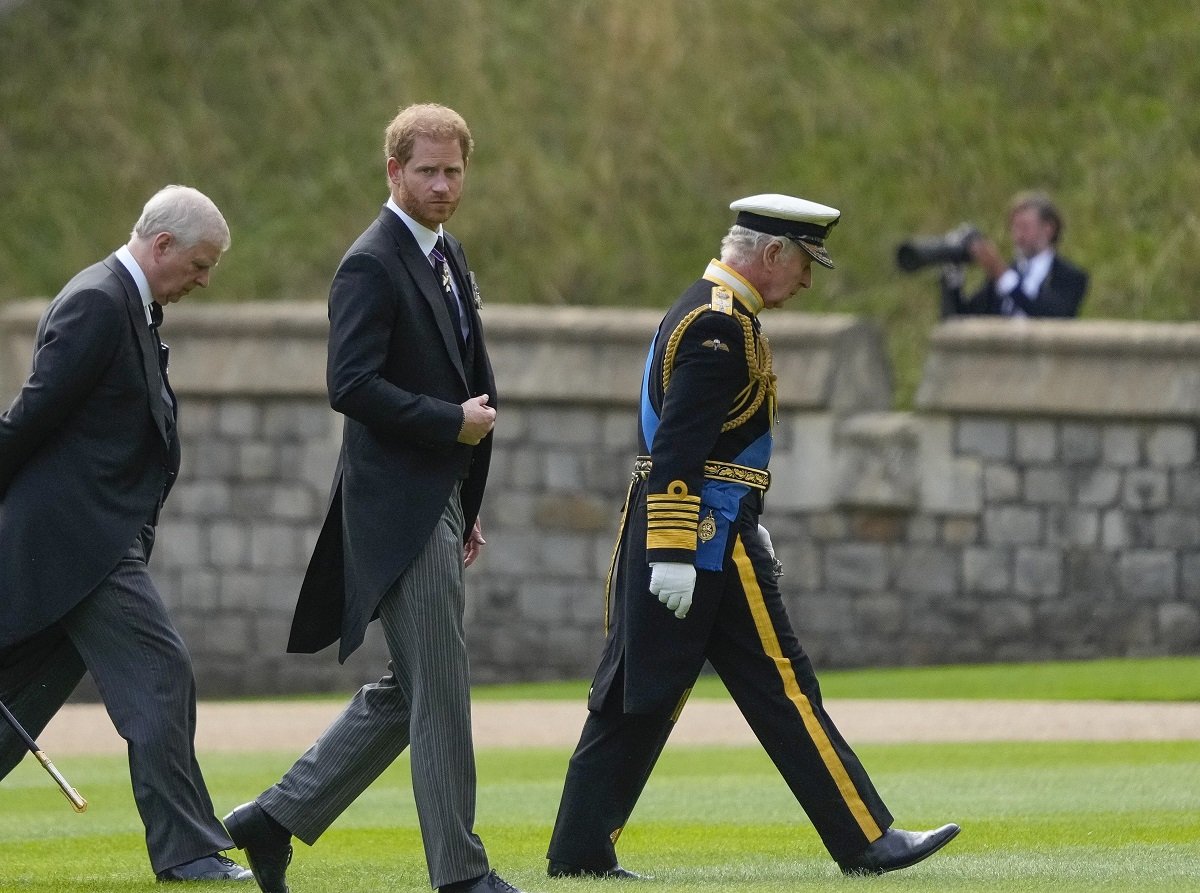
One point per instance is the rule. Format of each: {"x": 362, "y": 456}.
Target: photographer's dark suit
{"x": 1060, "y": 295}
{"x": 405, "y": 493}
{"x": 88, "y": 451}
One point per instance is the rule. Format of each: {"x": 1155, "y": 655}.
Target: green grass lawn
{"x": 1061, "y": 817}
{"x": 1035, "y": 817}
{"x": 1121, "y": 679}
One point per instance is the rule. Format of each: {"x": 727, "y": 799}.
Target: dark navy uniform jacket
{"x": 708, "y": 397}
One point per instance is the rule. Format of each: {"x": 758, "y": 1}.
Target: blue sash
{"x": 720, "y": 501}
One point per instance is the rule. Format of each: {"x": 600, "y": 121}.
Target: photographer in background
{"x": 1038, "y": 282}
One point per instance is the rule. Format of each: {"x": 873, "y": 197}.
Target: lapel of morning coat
{"x": 145, "y": 342}
{"x": 421, "y": 271}
{"x": 457, "y": 261}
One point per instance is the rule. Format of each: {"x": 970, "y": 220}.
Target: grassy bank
{"x": 611, "y": 137}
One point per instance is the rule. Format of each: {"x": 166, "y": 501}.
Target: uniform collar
{"x": 745, "y": 293}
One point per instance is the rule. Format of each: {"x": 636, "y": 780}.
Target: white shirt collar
{"x": 425, "y": 237}
{"x": 1037, "y": 268}
{"x": 125, "y": 256}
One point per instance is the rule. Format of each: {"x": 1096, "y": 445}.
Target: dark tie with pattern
{"x": 442, "y": 269}
{"x": 164, "y": 356}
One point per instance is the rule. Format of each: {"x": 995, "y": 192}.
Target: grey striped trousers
{"x": 423, "y": 703}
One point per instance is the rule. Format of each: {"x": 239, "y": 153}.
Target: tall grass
{"x": 612, "y": 135}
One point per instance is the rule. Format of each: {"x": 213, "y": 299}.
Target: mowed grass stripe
{"x": 1116, "y": 679}
{"x": 1035, "y": 817}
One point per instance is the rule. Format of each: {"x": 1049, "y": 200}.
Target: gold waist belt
{"x": 754, "y": 478}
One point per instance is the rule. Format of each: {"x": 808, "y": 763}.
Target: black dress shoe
{"x": 267, "y": 844}
{"x": 564, "y": 869}
{"x": 488, "y": 883}
{"x": 898, "y": 849}
{"x": 207, "y": 868}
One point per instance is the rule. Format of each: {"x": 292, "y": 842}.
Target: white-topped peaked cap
{"x": 805, "y": 223}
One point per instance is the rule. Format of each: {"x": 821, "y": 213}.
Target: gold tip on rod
{"x": 73, "y": 796}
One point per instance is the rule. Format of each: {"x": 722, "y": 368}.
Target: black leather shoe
{"x": 207, "y": 868}
{"x": 489, "y": 883}
{"x": 267, "y": 844}
{"x": 564, "y": 869}
{"x": 898, "y": 849}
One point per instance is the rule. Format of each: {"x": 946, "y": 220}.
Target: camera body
{"x": 953, "y": 247}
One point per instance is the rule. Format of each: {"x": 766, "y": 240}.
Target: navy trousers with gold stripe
{"x": 758, "y": 657}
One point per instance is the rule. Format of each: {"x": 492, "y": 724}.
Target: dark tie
{"x": 164, "y": 356}
{"x": 442, "y": 269}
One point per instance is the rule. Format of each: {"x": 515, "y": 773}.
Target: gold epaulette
{"x": 722, "y": 300}
{"x": 672, "y": 518}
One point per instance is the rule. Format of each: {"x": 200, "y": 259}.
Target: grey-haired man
{"x": 695, "y": 577}
{"x": 88, "y": 452}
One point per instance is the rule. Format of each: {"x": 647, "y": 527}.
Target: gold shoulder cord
{"x": 762, "y": 379}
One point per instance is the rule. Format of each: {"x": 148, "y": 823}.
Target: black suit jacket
{"x": 1060, "y": 295}
{"x": 395, "y": 371}
{"x": 87, "y": 451}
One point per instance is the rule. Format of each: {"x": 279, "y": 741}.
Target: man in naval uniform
{"x": 694, "y": 575}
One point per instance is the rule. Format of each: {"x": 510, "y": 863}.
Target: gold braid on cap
{"x": 758, "y": 365}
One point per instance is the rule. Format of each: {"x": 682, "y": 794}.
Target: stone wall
{"x": 1043, "y": 499}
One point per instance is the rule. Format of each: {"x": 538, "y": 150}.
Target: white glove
{"x": 673, "y": 583}
{"x": 765, "y": 536}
